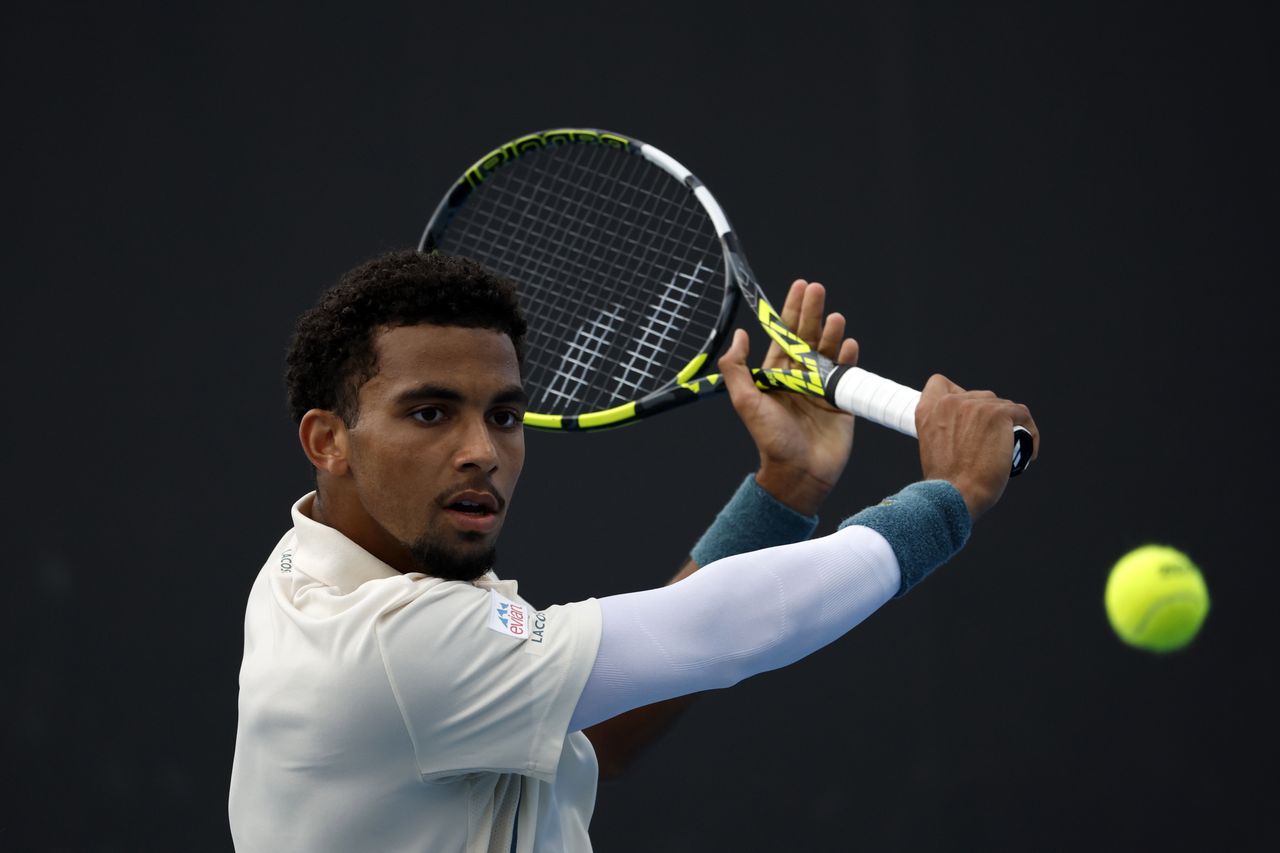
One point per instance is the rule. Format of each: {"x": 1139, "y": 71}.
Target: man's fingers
{"x": 939, "y": 385}
{"x": 832, "y": 332}
{"x": 934, "y": 391}
{"x": 809, "y": 325}
{"x": 1017, "y": 413}
{"x": 941, "y": 393}
{"x": 790, "y": 315}
{"x": 791, "y": 307}
{"x": 848, "y": 352}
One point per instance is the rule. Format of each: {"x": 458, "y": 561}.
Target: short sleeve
{"x": 486, "y": 683}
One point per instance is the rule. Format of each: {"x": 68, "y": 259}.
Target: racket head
{"x": 623, "y": 261}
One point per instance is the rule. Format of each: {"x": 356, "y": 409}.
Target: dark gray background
{"x": 1072, "y": 204}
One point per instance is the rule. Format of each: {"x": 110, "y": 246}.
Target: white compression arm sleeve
{"x": 737, "y": 617}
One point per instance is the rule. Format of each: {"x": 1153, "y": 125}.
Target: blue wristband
{"x": 925, "y": 524}
{"x": 753, "y": 519}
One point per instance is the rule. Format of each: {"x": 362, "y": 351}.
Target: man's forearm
{"x": 757, "y": 516}
{"x": 659, "y": 644}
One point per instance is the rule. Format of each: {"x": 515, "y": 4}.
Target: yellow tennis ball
{"x": 1156, "y": 598}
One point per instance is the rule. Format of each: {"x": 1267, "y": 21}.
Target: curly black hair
{"x": 332, "y": 353}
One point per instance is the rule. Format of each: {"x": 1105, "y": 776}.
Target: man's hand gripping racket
{"x": 630, "y": 276}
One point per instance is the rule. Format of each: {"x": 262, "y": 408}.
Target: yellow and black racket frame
{"x": 813, "y": 374}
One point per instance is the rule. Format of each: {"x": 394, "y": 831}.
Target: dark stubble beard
{"x": 439, "y": 561}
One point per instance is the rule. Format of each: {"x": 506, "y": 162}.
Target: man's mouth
{"x": 474, "y": 511}
{"x": 472, "y": 501}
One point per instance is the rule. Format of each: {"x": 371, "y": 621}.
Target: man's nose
{"x": 477, "y": 448}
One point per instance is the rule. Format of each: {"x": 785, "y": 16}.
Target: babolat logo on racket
{"x": 485, "y": 166}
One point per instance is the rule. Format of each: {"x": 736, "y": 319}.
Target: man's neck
{"x": 349, "y": 518}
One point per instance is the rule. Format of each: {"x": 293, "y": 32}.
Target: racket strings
{"x": 585, "y": 184}
{"x": 619, "y": 270}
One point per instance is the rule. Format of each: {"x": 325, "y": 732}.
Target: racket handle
{"x": 890, "y": 404}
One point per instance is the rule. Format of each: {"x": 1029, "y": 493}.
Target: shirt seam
{"x": 400, "y": 705}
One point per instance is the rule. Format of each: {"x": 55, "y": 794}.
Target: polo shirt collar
{"x": 321, "y": 552}
{"x": 331, "y": 558}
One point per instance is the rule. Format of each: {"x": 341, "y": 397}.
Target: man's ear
{"x": 325, "y": 440}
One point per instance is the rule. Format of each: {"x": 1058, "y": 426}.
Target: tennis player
{"x": 396, "y": 694}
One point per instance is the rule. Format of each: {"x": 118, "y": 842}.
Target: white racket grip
{"x": 890, "y": 404}
{"x": 877, "y": 399}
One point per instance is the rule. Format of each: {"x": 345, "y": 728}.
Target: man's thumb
{"x": 733, "y": 366}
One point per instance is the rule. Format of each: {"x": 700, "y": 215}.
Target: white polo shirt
{"x": 387, "y": 711}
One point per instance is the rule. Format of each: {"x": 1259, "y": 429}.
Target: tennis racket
{"x": 629, "y": 276}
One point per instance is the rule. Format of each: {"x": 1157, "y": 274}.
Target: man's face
{"x": 439, "y": 443}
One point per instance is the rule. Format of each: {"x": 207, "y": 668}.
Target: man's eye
{"x": 428, "y": 415}
{"x": 506, "y": 418}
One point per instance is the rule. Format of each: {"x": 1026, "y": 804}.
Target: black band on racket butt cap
{"x": 1023, "y": 446}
